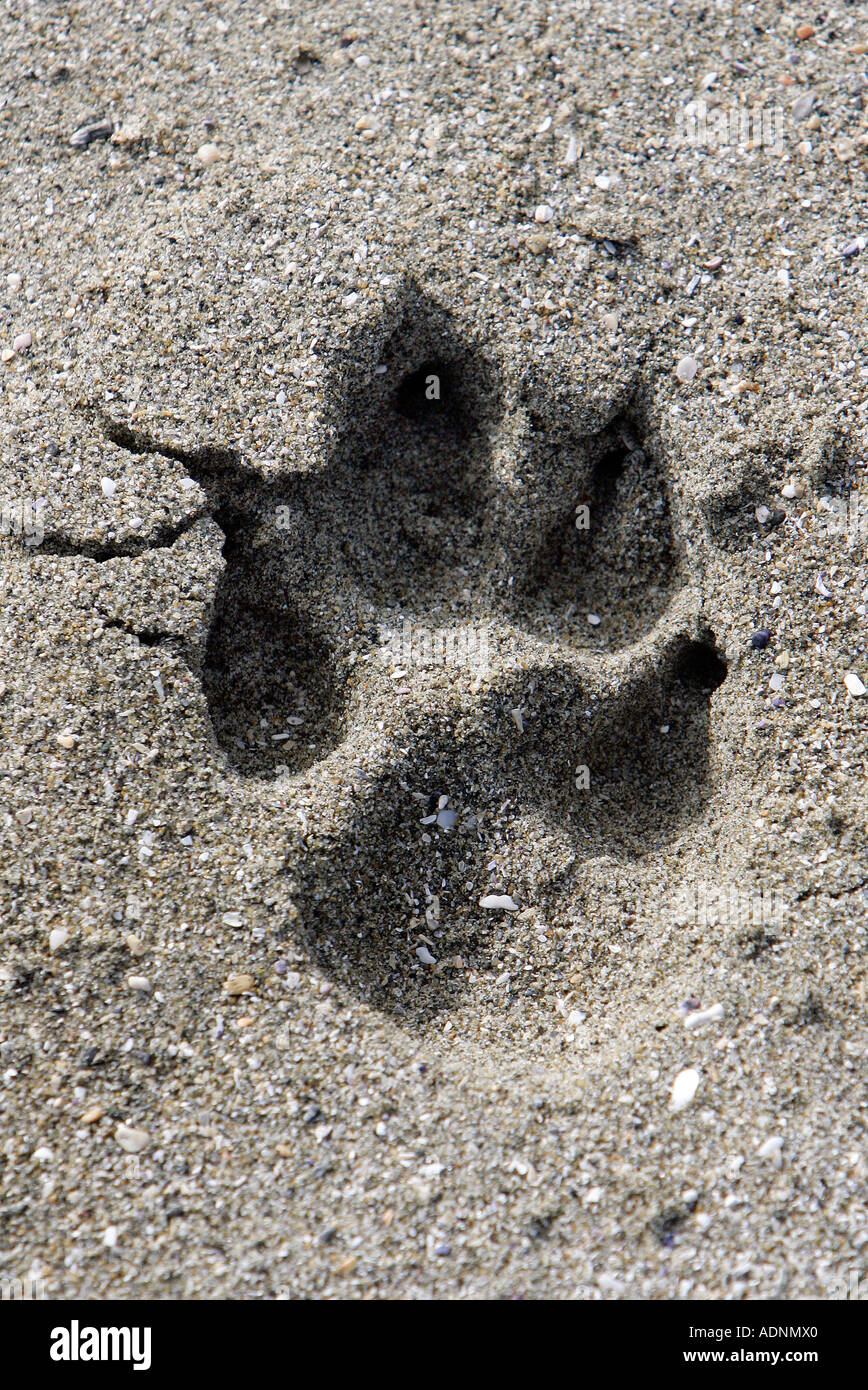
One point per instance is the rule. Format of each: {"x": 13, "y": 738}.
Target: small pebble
{"x": 13, "y": 280}
{"x": 57, "y": 938}
{"x": 66, "y": 740}
{"x": 761, "y": 638}
{"x": 86, "y": 134}
{"x": 538, "y": 243}
{"x": 238, "y": 984}
{"x": 855, "y": 686}
{"x": 805, "y": 31}
{"x": 23, "y": 341}
{"x": 543, "y": 213}
{"x": 132, "y": 1140}
{"x": 686, "y": 369}
{"x": 208, "y": 154}
{"x": 109, "y": 486}
{"x": 425, "y": 955}
{"x": 280, "y": 967}
{"x": 110, "y": 1237}
{"x": 91, "y": 1115}
{"x": 139, "y": 982}
{"x": 499, "y": 902}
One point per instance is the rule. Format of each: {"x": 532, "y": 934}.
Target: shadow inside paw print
{"x": 608, "y": 547}
{"x": 648, "y": 748}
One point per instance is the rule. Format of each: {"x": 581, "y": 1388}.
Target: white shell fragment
{"x": 609, "y": 1284}
{"x": 687, "y": 369}
{"x": 499, "y": 902}
{"x": 855, "y": 686}
{"x": 57, "y": 938}
{"x": 771, "y": 1149}
{"x": 684, "y": 1088}
{"x": 703, "y": 1016}
{"x": 425, "y": 956}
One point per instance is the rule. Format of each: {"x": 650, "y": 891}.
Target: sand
{"x": 423, "y": 412}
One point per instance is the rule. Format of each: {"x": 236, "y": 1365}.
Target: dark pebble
{"x": 86, "y": 134}
{"x": 761, "y": 638}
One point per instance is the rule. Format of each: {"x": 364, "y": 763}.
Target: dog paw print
{"x": 458, "y": 509}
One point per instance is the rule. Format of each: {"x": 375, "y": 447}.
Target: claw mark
{"x": 146, "y": 636}
{"x": 161, "y": 539}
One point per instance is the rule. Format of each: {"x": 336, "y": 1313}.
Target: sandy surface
{"x": 269, "y": 600}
